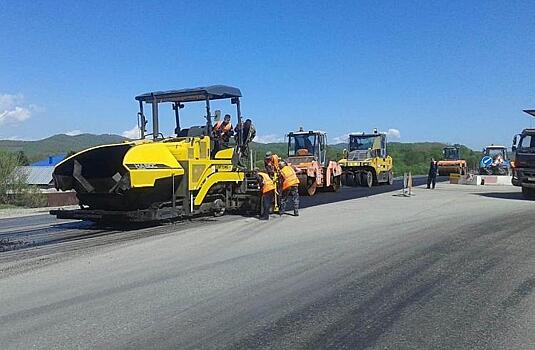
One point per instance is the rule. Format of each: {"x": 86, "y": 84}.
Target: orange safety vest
{"x": 289, "y": 177}
{"x": 268, "y": 184}
{"x": 226, "y": 128}
{"x": 274, "y": 160}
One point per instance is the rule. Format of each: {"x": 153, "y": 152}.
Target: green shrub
{"x": 14, "y": 189}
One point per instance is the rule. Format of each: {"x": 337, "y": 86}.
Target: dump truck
{"x": 366, "y": 161}
{"x": 451, "y": 162}
{"x": 161, "y": 177}
{"x": 524, "y": 160}
{"x": 495, "y": 161}
{"x": 307, "y": 153}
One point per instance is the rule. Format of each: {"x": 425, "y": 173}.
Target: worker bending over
{"x": 290, "y": 187}
{"x": 267, "y": 188}
{"x": 271, "y": 163}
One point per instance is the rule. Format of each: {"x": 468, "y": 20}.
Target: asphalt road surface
{"x": 42, "y": 230}
{"x": 452, "y": 268}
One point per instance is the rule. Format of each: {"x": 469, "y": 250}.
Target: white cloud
{"x": 13, "y": 111}
{"x": 393, "y": 134}
{"x": 270, "y": 138}
{"x": 133, "y": 133}
{"x": 340, "y": 139}
{"x": 74, "y": 132}
{"x": 14, "y": 138}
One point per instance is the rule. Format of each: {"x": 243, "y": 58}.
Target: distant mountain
{"x": 41, "y": 149}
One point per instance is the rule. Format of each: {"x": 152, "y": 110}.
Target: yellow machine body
{"x": 146, "y": 162}
{"x": 378, "y": 164}
{"x": 367, "y": 162}
{"x": 160, "y": 178}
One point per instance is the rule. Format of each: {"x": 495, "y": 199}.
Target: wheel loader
{"x": 307, "y": 152}
{"x": 157, "y": 177}
{"x": 451, "y": 162}
{"x": 366, "y": 161}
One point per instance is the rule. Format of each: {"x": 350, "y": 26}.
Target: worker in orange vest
{"x": 290, "y": 187}
{"x": 271, "y": 162}
{"x": 267, "y": 188}
{"x": 222, "y": 132}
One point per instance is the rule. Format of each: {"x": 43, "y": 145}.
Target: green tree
{"x": 22, "y": 159}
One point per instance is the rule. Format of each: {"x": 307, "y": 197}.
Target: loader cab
{"x": 176, "y": 100}
{"x": 495, "y": 152}
{"x": 308, "y": 145}
{"x": 363, "y": 145}
{"x": 450, "y": 153}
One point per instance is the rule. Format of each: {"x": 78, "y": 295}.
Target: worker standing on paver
{"x": 432, "y": 175}
{"x": 267, "y": 188}
{"x": 247, "y": 132}
{"x": 289, "y": 187}
{"x": 222, "y": 132}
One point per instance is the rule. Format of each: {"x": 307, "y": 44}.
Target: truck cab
{"x": 524, "y": 163}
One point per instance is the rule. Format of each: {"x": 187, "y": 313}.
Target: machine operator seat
{"x": 302, "y": 152}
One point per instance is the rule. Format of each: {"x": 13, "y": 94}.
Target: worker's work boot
{"x": 296, "y": 213}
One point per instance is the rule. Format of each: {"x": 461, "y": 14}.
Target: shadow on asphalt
{"x": 348, "y": 193}
{"x": 504, "y": 195}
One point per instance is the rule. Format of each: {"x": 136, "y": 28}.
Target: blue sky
{"x": 450, "y": 71}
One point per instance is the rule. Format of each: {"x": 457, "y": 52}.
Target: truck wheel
{"x": 367, "y": 179}
{"x": 390, "y": 177}
{"x": 528, "y": 193}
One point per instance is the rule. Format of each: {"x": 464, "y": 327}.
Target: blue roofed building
{"x": 51, "y": 161}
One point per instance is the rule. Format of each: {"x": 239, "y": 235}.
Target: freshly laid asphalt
{"x": 452, "y": 268}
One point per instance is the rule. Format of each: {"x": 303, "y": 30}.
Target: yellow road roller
{"x": 366, "y": 162}
{"x": 161, "y": 177}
